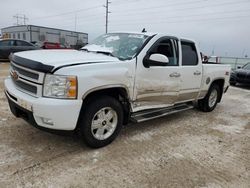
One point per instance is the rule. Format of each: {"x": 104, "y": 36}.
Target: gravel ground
{"x": 189, "y": 149}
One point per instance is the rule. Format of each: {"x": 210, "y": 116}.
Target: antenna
{"x": 144, "y": 30}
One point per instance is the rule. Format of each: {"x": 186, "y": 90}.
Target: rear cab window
{"x": 189, "y": 53}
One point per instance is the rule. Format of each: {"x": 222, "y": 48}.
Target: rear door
{"x": 23, "y": 46}
{"x": 191, "y": 72}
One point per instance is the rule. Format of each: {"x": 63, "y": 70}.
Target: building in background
{"x": 39, "y": 34}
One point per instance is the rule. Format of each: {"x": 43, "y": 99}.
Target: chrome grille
{"x": 241, "y": 75}
{"x": 27, "y": 80}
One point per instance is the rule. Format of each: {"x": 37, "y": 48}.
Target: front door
{"x": 157, "y": 86}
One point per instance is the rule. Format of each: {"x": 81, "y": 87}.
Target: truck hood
{"x": 48, "y": 60}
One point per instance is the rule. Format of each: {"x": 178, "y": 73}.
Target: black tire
{"x": 89, "y": 114}
{"x": 203, "y": 104}
{"x": 232, "y": 83}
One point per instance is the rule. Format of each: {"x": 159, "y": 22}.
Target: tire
{"x": 101, "y": 122}
{"x": 209, "y": 103}
{"x": 232, "y": 83}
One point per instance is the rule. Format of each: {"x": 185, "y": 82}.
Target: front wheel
{"x": 209, "y": 103}
{"x": 101, "y": 122}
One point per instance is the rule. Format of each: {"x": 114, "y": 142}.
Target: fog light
{"x": 47, "y": 121}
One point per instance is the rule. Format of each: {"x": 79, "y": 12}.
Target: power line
{"x": 180, "y": 21}
{"x": 193, "y": 15}
{"x": 136, "y": 11}
{"x": 67, "y": 13}
{"x": 204, "y": 21}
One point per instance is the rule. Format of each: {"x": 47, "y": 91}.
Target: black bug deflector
{"x": 31, "y": 64}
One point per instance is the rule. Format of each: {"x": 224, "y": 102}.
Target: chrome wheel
{"x": 104, "y": 123}
{"x": 213, "y": 98}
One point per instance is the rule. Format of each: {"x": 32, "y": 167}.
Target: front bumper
{"x": 63, "y": 113}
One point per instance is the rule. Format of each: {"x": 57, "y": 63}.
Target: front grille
{"x": 25, "y": 72}
{"x": 27, "y": 80}
{"x": 240, "y": 75}
{"x": 25, "y": 86}
{"x": 248, "y": 76}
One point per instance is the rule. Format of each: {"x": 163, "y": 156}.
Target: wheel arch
{"x": 220, "y": 82}
{"x": 119, "y": 92}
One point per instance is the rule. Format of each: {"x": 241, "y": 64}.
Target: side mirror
{"x": 159, "y": 58}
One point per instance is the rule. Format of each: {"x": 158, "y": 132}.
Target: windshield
{"x": 121, "y": 45}
{"x": 247, "y": 66}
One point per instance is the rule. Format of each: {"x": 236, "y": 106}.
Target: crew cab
{"x": 119, "y": 78}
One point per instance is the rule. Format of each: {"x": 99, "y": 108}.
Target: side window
{"x": 12, "y": 43}
{"x": 166, "y": 47}
{"x": 22, "y": 43}
{"x": 189, "y": 54}
{"x": 4, "y": 43}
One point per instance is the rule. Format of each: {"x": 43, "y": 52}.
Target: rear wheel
{"x": 101, "y": 122}
{"x": 209, "y": 103}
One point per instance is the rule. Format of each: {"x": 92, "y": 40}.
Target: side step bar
{"x": 159, "y": 112}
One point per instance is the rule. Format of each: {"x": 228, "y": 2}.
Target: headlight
{"x": 58, "y": 86}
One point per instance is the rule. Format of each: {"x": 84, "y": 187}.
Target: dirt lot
{"x": 190, "y": 149}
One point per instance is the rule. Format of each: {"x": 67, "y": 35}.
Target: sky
{"x": 220, "y": 27}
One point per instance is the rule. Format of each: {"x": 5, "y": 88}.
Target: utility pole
{"x": 107, "y": 13}
{"x": 20, "y": 17}
{"x": 17, "y": 19}
{"x": 24, "y": 19}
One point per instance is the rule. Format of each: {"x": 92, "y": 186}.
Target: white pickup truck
{"x": 120, "y": 77}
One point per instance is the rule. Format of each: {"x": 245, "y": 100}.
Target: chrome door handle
{"x": 197, "y": 73}
{"x": 175, "y": 74}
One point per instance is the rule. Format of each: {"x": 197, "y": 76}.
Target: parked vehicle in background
{"x": 118, "y": 78}
{"x": 241, "y": 75}
{"x": 52, "y": 45}
{"x": 8, "y": 46}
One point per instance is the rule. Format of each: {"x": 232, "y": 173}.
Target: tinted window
{"x": 4, "y": 43}
{"x": 165, "y": 47}
{"x": 12, "y": 43}
{"x": 22, "y": 43}
{"x": 189, "y": 54}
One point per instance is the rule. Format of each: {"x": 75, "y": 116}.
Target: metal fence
{"x": 233, "y": 61}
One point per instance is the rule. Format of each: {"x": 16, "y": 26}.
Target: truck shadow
{"x": 243, "y": 86}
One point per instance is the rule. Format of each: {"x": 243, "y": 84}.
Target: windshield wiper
{"x": 84, "y": 49}
{"x": 104, "y": 52}
{"x": 101, "y": 52}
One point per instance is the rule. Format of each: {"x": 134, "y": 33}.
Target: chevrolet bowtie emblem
{"x": 15, "y": 75}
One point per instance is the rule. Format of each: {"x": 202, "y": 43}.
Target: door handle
{"x": 197, "y": 73}
{"x": 175, "y": 74}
